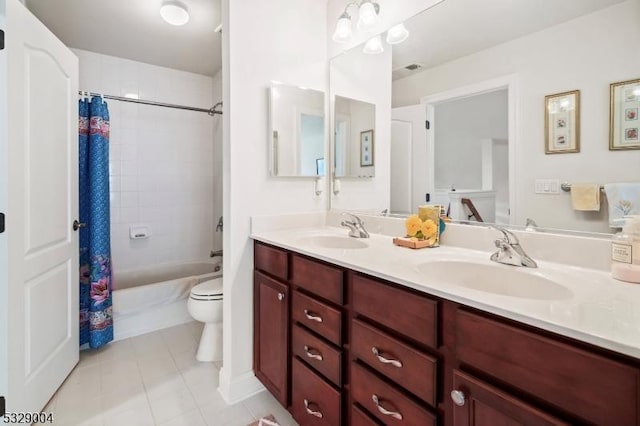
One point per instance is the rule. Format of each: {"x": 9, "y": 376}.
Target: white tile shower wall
{"x": 161, "y": 160}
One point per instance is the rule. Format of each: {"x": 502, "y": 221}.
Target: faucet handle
{"x": 509, "y": 236}
{"x": 355, "y": 218}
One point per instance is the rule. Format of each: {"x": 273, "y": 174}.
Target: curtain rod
{"x": 211, "y": 111}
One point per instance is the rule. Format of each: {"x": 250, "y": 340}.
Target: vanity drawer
{"x": 271, "y": 260}
{"x": 591, "y": 386}
{"x": 365, "y": 387}
{"x": 360, "y": 418}
{"x": 318, "y": 316}
{"x": 318, "y": 354}
{"x": 407, "y": 313}
{"x": 314, "y": 401}
{"x": 412, "y": 369}
{"x": 318, "y": 278}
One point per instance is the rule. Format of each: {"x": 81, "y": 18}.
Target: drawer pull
{"x": 312, "y": 316}
{"x": 308, "y": 350}
{"x": 396, "y": 415}
{"x": 458, "y": 397}
{"x": 384, "y": 360}
{"x": 316, "y": 413}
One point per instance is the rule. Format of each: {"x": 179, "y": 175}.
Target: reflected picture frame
{"x": 624, "y": 123}
{"x": 366, "y": 148}
{"x": 320, "y": 166}
{"x": 562, "y": 122}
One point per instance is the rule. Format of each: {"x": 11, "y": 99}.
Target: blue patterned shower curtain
{"x": 96, "y": 317}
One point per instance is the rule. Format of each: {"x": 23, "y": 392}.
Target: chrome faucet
{"x": 356, "y": 226}
{"x": 510, "y": 251}
{"x": 531, "y": 225}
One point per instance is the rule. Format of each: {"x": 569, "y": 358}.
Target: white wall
{"x": 460, "y": 125}
{"x": 281, "y": 40}
{"x": 573, "y": 55}
{"x": 4, "y": 283}
{"x": 366, "y": 78}
{"x": 161, "y": 160}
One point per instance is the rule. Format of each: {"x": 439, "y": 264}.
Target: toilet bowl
{"x": 205, "y": 305}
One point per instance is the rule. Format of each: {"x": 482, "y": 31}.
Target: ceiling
{"x": 133, "y": 29}
{"x": 456, "y": 28}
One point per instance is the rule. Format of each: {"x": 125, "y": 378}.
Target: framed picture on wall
{"x": 562, "y": 122}
{"x": 320, "y": 166}
{"x": 366, "y": 148}
{"x": 623, "y": 115}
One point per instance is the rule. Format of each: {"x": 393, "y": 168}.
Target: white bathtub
{"x": 155, "y": 297}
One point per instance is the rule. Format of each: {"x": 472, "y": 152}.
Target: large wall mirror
{"x": 296, "y": 130}
{"x": 467, "y": 108}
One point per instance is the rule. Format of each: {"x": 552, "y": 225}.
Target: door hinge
{"x": 1, "y": 39}
{"x": 1, "y": 223}
{"x": 427, "y": 125}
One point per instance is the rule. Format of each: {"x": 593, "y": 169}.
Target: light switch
{"x": 547, "y": 186}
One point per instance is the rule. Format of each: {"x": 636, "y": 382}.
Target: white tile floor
{"x": 153, "y": 379}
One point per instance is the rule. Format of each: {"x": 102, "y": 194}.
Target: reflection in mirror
{"x": 354, "y": 136}
{"x": 297, "y": 131}
{"x": 535, "y": 48}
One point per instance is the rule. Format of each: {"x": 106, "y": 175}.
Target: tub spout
{"x": 216, "y": 253}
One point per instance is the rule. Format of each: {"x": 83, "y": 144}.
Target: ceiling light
{"x": 373, "y": 46}
{"x": 343, "y": 28}
{"x": 368, "y": 15}
{"x": 174, "y": 12}
{"x": 397, "y": 34}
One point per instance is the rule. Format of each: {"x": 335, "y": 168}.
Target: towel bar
{"x": 566, "y": 187}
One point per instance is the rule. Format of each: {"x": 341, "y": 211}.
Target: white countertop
{"x": 597, "y": 309}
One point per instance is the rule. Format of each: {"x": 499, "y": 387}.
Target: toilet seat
{"x": 208, "y": 290}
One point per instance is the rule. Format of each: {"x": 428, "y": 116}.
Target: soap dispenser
{"x": 625, "y": 251}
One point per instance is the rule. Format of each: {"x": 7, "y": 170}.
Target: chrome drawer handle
{"x": 312, "y": 316}
{"x": 317, "y": 414}
{"x": 308, "y": 350}
{"x": 458, "y": 397}
{"x": 396, "y": 415}
{"x": 382, "y": 359}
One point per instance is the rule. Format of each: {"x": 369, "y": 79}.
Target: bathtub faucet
{"x": 217, "y": 253}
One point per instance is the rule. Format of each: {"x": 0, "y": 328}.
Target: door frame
{"x": 509, "y": 82}
{"x": 4, "y": 277}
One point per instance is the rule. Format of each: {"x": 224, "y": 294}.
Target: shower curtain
{"x": 96, "y": 316}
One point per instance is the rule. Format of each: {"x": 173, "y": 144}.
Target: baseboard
{"x": 240, "y": 388}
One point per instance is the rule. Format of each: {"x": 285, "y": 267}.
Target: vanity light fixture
{"x": 397, "y": 34}
{"x": 373, "y": 46}
{"x": 368, "y": 17}
{"x": 174, "y": 12}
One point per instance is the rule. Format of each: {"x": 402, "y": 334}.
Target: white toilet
{"x": 205, "y": 305}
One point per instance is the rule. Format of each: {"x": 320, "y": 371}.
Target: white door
{"x": 42, "y": 204}
{"x": 401, "y": 170}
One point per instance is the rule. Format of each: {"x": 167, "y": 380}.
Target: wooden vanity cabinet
{"x": 340, "y": 348}
{"x": 271, "y": 320}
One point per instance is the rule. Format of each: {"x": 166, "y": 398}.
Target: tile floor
{"x": 153, "y": 379}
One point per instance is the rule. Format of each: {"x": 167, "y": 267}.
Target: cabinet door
{"x": 479, "y": 404}
{"x": 271, "y": 338}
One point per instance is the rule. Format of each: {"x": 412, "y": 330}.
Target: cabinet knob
{"x": 458, "y": 397}
{"x": 395, "y": 414}
{"x": 315, "y": 413}
{"x": 77, "y": 225}
{"x": 281, "y": 296}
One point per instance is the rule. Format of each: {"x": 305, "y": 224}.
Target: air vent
{"x": 413, "y": 67}
{"x": 406, "y": 70}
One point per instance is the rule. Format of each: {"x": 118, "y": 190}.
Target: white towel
{"x": 624, "y": 199}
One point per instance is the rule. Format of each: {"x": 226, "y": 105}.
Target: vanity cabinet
{"x": 271, "y": 321}
{"x": 341, "y": 348}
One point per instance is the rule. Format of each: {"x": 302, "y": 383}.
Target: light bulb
{"x": 174, "y": 12}
{"x": 368, "y": 16}
{"x": 343, "y": 29}
{"x": 397, "y": 34}
{"x": 373, "y": 46}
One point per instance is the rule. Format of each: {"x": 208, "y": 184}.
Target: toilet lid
{"x": 209, "y": 288}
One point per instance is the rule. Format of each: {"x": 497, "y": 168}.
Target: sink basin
{"x": 496, "y": 279}
{"x": 333, "y": 241}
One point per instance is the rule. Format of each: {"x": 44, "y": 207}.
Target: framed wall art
{"x": 366, "y": 148}
{"x": 623, "y": 115}
{"x": 562, "y": 122}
